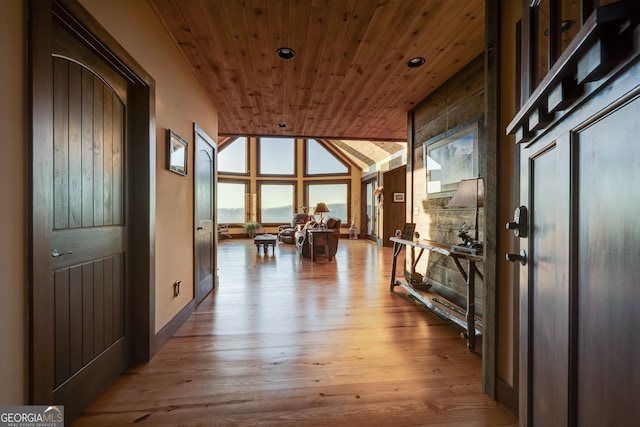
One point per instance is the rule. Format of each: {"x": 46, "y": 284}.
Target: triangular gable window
{"x": 232, "y": 157}
{"x": 321, "y": 161}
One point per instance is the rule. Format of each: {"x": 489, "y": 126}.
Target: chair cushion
{"x": 330, "y": 222}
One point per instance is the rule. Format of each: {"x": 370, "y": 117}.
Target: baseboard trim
{"x": 507, "y": 397}
{"x": 167, "y": 331}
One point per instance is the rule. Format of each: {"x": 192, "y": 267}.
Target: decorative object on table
{"x": 251, "y": 228}
{"x": 469, "y": 244}
{"x": 470, "y": 194}
{"x": 321, "y": 208}
{"x": 408, "y": 229}
{"x": 177, "y": 151}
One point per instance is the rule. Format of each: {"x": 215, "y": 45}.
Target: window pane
{"x": 542, "y": 38}
{"x": 570, "y": 23}
{"x": 321, "y": 161}
{"x": 232, "y": 157}
{"x": 276, "y": 203}
{"x": 231, "y": 207}
{"x": 334, "y": 195}
{"x": 277, "y": 156}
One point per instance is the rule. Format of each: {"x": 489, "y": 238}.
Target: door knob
{"x": 522, "y": 257}
{"x": 56, "y": 254}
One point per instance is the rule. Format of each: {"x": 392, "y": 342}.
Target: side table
{"x": 319, "y": 240}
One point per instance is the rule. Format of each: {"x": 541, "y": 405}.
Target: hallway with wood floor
{"x": 287, "y": 341}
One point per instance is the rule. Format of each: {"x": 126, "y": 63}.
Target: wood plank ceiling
{"x": 349, "y": 78}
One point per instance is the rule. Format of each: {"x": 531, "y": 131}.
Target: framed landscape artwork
{"x": 449, "y": 158}
{"x": 177, "y": 149}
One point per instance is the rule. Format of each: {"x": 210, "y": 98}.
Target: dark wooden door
{"x": 579, "y": 288}
{"x": 394, "y": 210}
{"x": 205, "y": 233}
{"x": 88, "y": 236}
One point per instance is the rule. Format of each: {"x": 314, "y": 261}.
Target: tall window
{"x": 277, "y": 156}
{"x": 232, "y": 157}
{"x": 231, "y": 208}
{"x": 334, "y": 195}
{"x": 276, "y": 203}
{"x": 321, "y": 161}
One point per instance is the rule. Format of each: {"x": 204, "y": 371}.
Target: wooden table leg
{"x": 397, "y": 247}
{"x": 471, "y": 306}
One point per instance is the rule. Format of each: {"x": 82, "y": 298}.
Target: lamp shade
{"x": 321, "y": 207}
{"x": 470, "y": 194}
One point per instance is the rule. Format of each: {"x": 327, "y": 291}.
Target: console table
{"x": 468, "y": 323}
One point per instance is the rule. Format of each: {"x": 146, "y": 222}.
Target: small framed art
{"x": 177, "y": 151}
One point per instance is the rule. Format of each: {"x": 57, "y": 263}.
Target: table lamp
{"x": 321, "y": 207}
{"x": 470, "y": 194}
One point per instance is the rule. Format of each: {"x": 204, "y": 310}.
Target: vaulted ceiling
{"x": 349, "y": 79}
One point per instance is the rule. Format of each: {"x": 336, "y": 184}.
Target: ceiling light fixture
{"x": 416, "y": 62}
{"x": 281, "y": 125}
{"x": 285, "y": 53}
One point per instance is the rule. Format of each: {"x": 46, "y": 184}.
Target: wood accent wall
{"x": 459, "y": 100}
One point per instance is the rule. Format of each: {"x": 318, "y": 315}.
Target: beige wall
{"x": 13, "y": 210}
{"x": 180, "y": 101}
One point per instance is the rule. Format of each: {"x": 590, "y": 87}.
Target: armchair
{"x": 223, "y": 230}
{"x": 287, "y": 233}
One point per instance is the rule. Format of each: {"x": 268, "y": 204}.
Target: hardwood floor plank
{"x": 285, "y": 341}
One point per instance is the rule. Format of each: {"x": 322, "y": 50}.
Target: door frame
{"x": 374, "y": 180}
{"x": 198, "y": 132}
{"x": 140, "y": 212}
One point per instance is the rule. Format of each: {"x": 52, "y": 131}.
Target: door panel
{"x": 205, "y": 235}
{"x": 88, "y": 236}
{"x": 88, "y": 311}
{"x": 548, "y": 289}
{"x": 608, "y": 262}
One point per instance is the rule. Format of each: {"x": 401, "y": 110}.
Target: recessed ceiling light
{"x": 281, "y": 125}
{"x": 285, "y": 53}
{"x": 416, "y": 62}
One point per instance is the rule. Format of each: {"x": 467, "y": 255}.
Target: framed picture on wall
{"x": 398, "y": 197}
{"x": 451, "y": 157}
{"x": 177, "y": 149}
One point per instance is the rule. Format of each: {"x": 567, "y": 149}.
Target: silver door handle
{"x": 55, "y": 253}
